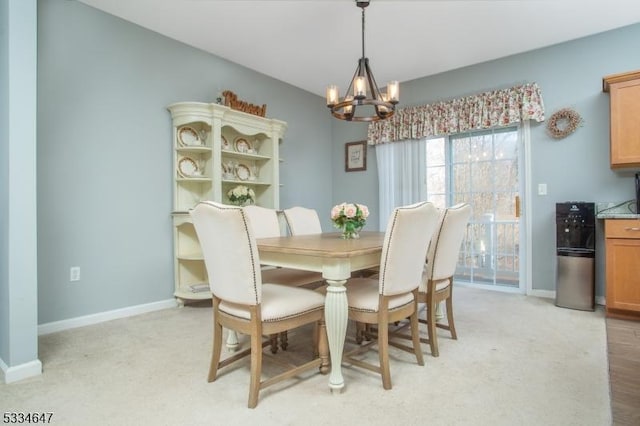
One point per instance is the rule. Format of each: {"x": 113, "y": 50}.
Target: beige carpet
{"x": 518, "y": 361}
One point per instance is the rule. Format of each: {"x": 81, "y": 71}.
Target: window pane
{"x": 506, "y": 175}
{"x": 462, "y": 178}
{"x": 505, "y": 205}
{"x": 438, "y": 200}
{"x": 436, "y": 180}
{"x": 460, "y": 150}
{"x": 435, "y": 152}
{"x": 481, "y": 148}
{"x": 506, "y": 145}
{"x": 482, "y": 175}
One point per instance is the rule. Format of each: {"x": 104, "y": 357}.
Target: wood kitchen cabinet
{"x": 622, "y": 264}
{"x": 625, "y": 109}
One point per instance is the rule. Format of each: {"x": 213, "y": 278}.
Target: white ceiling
{"x": 313, "y": 43}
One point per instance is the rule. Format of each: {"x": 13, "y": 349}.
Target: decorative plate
{"x": 243, "y": 172}
{"x": 242, "y": 145}
{"x": 225, "y": 144}
{"x": 187, "y": 168}
{"x": 188, "y": 136}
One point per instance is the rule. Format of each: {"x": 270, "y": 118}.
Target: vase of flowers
{"x": 241, "y": 195}
{"x": 350, "y": 218}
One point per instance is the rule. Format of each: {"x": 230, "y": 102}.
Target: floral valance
{"x": 482, "y": 111}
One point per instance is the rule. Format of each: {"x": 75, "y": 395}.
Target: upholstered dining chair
{"x": 302, "y": 221}
{"x": 437, "y": 278}
{"x": 242, "y": 302}
{"x": 393, "y": 295}
{"x": 265, "y": 224}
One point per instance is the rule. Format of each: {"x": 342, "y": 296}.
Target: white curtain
{"x": 401, "y": 175}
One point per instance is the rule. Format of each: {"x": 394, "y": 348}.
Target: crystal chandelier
{"x": 363, "y": 92}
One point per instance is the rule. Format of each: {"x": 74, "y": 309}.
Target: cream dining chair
{"x": 437, "y": 277}
{"x": 393, "y": 295}
{"x": 302, "y": 221}
{"x": 243, "y": 303}
{"x": 265, "y": 224}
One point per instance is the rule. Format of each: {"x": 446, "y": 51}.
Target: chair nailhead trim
{"x": 246, "y": 228}
{"x": 299, "y": 314}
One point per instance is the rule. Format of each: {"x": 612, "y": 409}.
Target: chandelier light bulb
{"x": 393, "y": 92}
{"x": 348, "y": 109}
{"x": 333, "y": 95}
{"x": 359, "y": 88}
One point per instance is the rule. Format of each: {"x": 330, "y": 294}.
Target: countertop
{"x": 618, "y": 216}
{"x": 620, "y": 210}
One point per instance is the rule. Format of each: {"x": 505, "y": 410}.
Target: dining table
{"x": 336, "y": 258}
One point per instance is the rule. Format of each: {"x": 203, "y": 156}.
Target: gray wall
{"x": 4, "y": 181}
{"x": 576, "y": 168}
{"x": 104, "y": 153}
{"x": 18, "y": 274}
{"x": 355, "y": 187}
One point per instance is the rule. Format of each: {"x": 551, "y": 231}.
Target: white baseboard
{"x": 129, "y": 311}
{"x": 547, "y": 294}
{"x": 20, "y": 372}
{"x": 550, "y": 294}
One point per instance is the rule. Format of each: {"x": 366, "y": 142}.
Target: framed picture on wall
{"x": 355, "y": 156}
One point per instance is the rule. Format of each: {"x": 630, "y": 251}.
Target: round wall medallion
{"x": 563, "y": 122}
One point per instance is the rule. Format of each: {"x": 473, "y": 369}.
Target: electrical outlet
{"x": 74, "y": 273}
{"x": 542, "y": 189}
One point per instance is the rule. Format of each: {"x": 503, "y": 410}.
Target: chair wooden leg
{"x": 431, "y": 327}
{"x": 322, "y": 346}
{"x": 284, "y": 340}
{"x": 360, "y": 331}
{"x": 369, "y": 332}
{"x": 383, "y": 351}
{"x": 415, "y": 336}
{"x": 316, "y": 340}
{"x": 215, "y": 352}
{"x": 452, "y": 327}
{"x": 273, "y": 341}
{"x": 256, "y": 368}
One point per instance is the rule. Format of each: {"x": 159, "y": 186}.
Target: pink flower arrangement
{"x": 349, "y": 217}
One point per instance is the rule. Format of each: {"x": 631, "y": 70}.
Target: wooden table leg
{"x": 232, "y": 341}
{"x": 336, "y": 312}
{"x": 439, "y": 312}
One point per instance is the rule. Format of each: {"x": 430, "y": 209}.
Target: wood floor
{"x": 623, "y": 339}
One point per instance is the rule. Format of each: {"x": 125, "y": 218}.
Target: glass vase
{"x": 242, "y": 203}
{"x": 350, "y": 235}
{"x": 351, "y": 231}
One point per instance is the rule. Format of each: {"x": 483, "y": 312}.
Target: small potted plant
{"x": 241, "y": 195}
{"x": 350, "y": 218}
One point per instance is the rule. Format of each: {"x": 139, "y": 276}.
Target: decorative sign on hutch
{"x": 231, "y": 100}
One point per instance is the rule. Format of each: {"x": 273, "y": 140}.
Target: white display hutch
{"x": 216, "y": 148}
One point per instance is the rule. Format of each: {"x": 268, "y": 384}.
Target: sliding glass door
{"x": 482, "y": 169}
